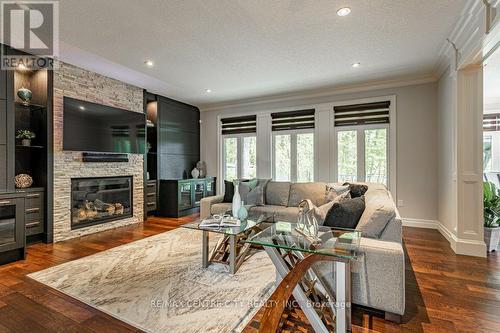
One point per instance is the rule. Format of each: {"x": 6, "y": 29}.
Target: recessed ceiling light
{"x": 208, "y": 91}
{"x": 149, "y": 63}
{"x": 344, "y": 11}
{"x": 356, "y": 64}
{"x": 82, "y": 107}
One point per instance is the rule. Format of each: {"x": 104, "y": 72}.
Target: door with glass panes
{"x": 362, "y": 153}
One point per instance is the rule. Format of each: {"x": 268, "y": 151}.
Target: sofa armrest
{"x": 379, "y": 275}
{"x": 206, "y": 205}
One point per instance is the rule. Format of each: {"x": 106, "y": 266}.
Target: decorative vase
{"x": 242, "y": 212}
{"x": 195, "y": 173}
{"x": 236, "y": 199}
{"x": 202, "y": 167}
{"x": 23, "y": 181}
{"x": 25, "y": 95}
{"x": 26, "y": 142}
{"x": 491, "y": 238}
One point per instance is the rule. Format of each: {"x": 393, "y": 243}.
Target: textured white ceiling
{"x": 251, "y": 48}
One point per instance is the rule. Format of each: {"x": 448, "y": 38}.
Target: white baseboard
{"x": 459, "y": 246}
{"x": 420, "y": 223}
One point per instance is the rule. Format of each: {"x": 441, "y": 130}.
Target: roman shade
{"x": 292, "y": 120}
{"x": 362, "y": 114}
{"x": 491, "y": 122}
{"x": 237, "y": 125}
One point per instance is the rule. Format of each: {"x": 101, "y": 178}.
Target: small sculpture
{"x": 202, "y": 167}
{"x": 25, "y": 95}
{"x": 195, "y": 173}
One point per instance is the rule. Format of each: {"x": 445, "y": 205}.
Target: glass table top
{"x": 253, "y": 220}
{"x": 343, "y": 243}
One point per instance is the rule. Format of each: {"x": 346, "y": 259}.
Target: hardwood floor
{"x": 445, "y": 292}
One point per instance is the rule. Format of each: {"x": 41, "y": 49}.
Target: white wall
{"x": 447, "y": 190}
{"x": 416, "y": 110}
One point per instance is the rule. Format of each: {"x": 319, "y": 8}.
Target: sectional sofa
{"x": 378, "y": 276}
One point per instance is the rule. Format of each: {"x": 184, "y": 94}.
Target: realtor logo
{"x": 33, "y": 28}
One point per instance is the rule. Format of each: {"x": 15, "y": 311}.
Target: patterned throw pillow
{"x": 334, "y": 190}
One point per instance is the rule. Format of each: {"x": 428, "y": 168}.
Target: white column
{"x": 322, "y": 135}
{"x": 469, "y": 162}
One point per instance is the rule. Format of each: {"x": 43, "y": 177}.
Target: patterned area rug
{"x": 157, "y": 284}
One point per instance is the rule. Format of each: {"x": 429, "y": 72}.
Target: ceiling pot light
{"x": 81, "y": 107}
{"x": 208, "y": 91}
{"x": 149, "y": 63}
{"x": 356, "y": 65}
{"x": 344, "y": 11}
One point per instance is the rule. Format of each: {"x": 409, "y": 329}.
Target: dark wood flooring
{"x": 445, "y": 292}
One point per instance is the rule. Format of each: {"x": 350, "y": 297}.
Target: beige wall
{"x": 416, "y": 110}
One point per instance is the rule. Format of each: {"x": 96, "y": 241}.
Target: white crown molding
{"x": 465, "y": 37}
{"x": 323, "y": 92}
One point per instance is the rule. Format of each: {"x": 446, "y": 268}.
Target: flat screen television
{"x": 91, "y": 127}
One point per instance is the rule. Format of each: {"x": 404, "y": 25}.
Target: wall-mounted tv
{"x": 90, "y": 127}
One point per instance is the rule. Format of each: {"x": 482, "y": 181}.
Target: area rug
{"x": 157, "y": 284}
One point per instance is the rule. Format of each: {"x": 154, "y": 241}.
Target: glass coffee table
{"x": 231, "y": 248}
{"x": 323, "y": 291}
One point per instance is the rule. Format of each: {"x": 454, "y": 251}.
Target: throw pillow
{"x": 321, "y": 211}
{"x": 334, "y": 190}
{"x": 252, "y": 192}
{"x": 357, "y": 190}
{"x": 345, "y": 214}
{"x": 229, "y": 190}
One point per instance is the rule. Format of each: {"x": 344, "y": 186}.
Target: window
{"x": 239, "y": 147}
{"x": 293, "y": 156}
{"x": 362, "y": 142}
{"x": 240, "y": 157}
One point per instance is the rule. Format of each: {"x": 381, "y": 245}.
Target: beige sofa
{"x": 378, "y": 277}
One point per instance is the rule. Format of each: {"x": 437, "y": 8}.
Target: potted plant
{"x": 25, "y": 136}
{"x": 491, "y": 198}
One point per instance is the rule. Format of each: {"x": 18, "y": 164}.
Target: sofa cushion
{"x": 345, "y": 214}
{"x": 281, "y": 213}
{"x": 277, "y": 193}
{"x": 220, "y": 208}
{"x": 380, "y": 209}
{"x": 301, "y": 191}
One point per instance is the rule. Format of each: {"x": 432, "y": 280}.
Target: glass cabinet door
{"x": 7, "y": 224}
{"x": 185, "y": 199}
{"x": 210, "y": 188}
{"x": 199, "y": 192}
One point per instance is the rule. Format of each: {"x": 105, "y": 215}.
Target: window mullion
{"x": 239, "y": 154}
{"x": 361, "y": 155}
{"x": 293, "y": 158}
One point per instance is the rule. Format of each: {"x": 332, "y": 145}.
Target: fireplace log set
{"x": 97, "y": 209}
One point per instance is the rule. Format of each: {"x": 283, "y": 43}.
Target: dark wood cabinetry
{"x": 35, "y": 159}
{"x": 182, "y": 197}
{"x": 12, "y": 229}
{"x": 173, "y": 135}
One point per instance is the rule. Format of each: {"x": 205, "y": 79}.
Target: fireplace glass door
{"x": 100, "y": 200}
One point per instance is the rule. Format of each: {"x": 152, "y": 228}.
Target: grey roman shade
{"x": 292, "y": 120}
{"x": 237, "y": 125}
{"x": 362, "y": 114}
{"x": 491, "y": 122}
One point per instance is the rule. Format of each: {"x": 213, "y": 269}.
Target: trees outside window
{"x": 293, "y": 156}
{"x": 239, "y": 156}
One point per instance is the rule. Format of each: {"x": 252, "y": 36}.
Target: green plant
{"x": 24, "y": 134}
{"x": 491, "y": 199}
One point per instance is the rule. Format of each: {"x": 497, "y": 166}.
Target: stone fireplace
{"x": 72, "y": 173}
{"x": 100, "y": 200}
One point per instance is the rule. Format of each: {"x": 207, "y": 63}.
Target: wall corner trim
{"x": 459, "y": 246}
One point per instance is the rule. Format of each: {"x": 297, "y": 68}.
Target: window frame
{"x": 293, "y": 151}
{"x": 391, "y": 138}
{"x": 239, "y": 153}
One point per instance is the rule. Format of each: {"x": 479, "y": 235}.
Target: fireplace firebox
{"x": 100, "y": 200}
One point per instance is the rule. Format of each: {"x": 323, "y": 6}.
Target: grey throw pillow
{"x": 334, "y": 190}
{"x": 252, "y": 192}
{"x": 321, "y": 211}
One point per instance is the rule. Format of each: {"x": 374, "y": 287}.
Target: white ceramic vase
{"x": 195, "y": 173}
{"x": 236, "y": 199}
